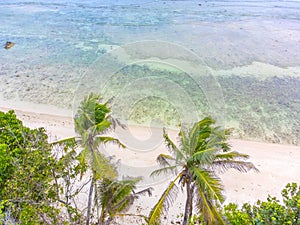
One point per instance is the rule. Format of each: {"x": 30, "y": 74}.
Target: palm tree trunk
{"x": 188, "y": 204}
{"x": 88, "y": 214}
{"x": 191, "y": 200}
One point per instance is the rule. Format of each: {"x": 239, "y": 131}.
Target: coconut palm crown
{"x": 201, "y": 153}
{"x": 92, "y": 121}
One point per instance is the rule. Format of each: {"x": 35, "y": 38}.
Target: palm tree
{"x": 202, "y": 152}
{"x": 116, "y": 196}
{"x": 92, "y": 121}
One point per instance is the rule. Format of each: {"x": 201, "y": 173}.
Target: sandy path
{"x": 278, "y": 164}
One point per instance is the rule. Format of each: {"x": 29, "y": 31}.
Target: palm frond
{"x": 143, "y": 192}
{"x": 208, "y": 183}
{"x": 101, "y": 166}
{"x": 205, "y": 127}
{"x": 86, "y": 139}
{"x": 106, "y": 139}
{"x": 194, "y": 138}
{"x": 121, "y": 206}
{"x": 163, "y": 203}
{"x": 123, "y": 188}
{"x": 184, "y": 144}
{"x": 219, "y": 141}
{"x": 121, "y": 195}
{"x": 204, "y": 133}
{"x": 83, "y": 156}
{"x": 116, "y": 122}
{"x": 205, "y": 156}
{"x": 215, "y": 141}
{"x": 207, "y": 208}
{"x": 66, "y": 141}
{"x": 164, "y": 159}
{"x": 206, "y": 121}
{"x": 231, "y": 155}
{"x": 241, "y": 166}
{"x": 83, "y": 121}
{"x": 116, "y": 196}
{"x": 225, "y": 146}
{"x": 234, "y": 160}
{"x": 165, "y": 170}
{"x": 101, "y": 127}
{"x": 90, "y": 113}
{"x": 172, "y": 147}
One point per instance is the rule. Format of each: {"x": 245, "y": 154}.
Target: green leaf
{"x": 163, "y": 203}
{"x": 207, "y": 183}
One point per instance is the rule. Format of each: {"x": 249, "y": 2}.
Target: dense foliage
{"x": 27, "y": 193}
{"x": 270, "y": 212}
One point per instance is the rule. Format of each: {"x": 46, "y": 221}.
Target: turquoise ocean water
{"x": 251, "y": 48}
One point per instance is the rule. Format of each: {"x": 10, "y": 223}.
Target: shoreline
{"x": 278, "y": 164}
{"x": 57, "y": 125}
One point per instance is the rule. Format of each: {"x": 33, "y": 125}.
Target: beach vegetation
{"x": 40, "y": 181}
{"x": 116, "y": 197}
{"x": 202, "y": 151}
{"x": 27, "y": 191}
{"x": 272, "y": 211}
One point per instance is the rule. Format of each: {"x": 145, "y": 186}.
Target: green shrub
{"x": 27, "y": 191}
{"x": 270, "y": 212}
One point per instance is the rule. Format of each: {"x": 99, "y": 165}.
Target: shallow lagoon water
{"x": 252, "y": 48}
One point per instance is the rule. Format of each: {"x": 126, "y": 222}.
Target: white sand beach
{"x": 278, "y": 164}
